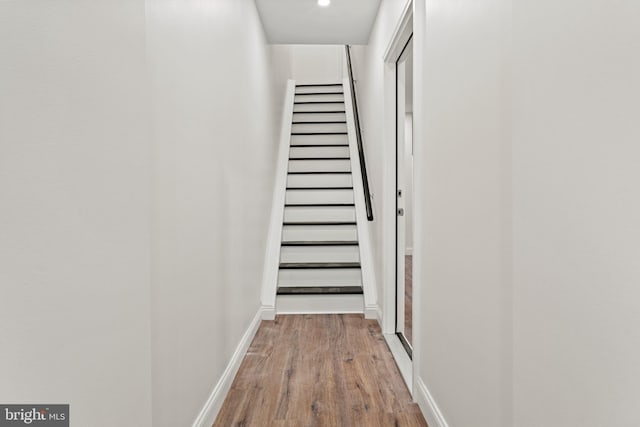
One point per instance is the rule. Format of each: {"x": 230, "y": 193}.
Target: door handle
{"x": 401, "y": 212}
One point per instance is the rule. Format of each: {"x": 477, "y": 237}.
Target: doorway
{"x": 404, "y": 197}
{"x": 400, "y": 329}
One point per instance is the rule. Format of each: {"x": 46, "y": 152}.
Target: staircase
{"x": 319, "y": 253}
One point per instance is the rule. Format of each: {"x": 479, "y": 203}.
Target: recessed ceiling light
{"x": 324, "y": 3}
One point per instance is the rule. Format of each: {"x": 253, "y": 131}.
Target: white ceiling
{"x": 304, "y": 22}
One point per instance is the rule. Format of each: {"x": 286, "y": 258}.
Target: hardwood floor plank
{"x": 319, "y": 370}
{"x": 408, "y": 298}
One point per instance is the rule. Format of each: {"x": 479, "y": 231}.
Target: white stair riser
{"x": 319, "y": 117}
{"x": 326, "y": 97}
{"x": 334, "y": 106}
{"x": 318, "y": 127}
{"x": 319, "y": 232}
{"x": 297, "y": 304}
{"x": 319, "y": 196}
{"x": 322, "y": 180}
{"x": 320, "y": 277}
{"x": 319, "y": 254}
{"x": 318, "y": 89}
{"x": 319, "y": 165}
{"x": 319, "y": 213}
{"x": 319, "y": 152}
{"x": 319, "y": 139}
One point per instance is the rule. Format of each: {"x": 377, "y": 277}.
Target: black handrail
{"x": 363, "y": 166}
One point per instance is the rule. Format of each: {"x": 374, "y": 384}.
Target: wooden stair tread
{"x": 320, "y": 290}
{"x": 314, "y": 265}
{"x": 318, "y": 223}
{"x": 320, "y": 243}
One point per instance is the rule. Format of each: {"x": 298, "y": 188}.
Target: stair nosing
{"x": 318, "y": 188}
{"x": 317, "y": 145}
{"x": 319, "y": 84}
{"x": 316, "y": 223}
{"x": 318, "y": 265}
{"x": 319, "y": 158}
{"x": 317, "y": 102}
{"x": 320, "y": 173}
{"x": 319, "y": 93}
{"x": 313, "y": 205}
{"x": 319, "y": 112}
{"x": 320, "y": 290}
{"x": 320, "y": 243}
{"x": 319, "y": 123}
{"x": 319, "y": 133}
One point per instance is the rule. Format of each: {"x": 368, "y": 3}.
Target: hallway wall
{"x": 74, "y": 209}
{"x": 136, "y": 167}
{"x": 217, "y": 109}
{"x": 316, "y": 63}
{"x": 576, "y": 163}
{"x": 526, "y": 170}
{"x": 463, "y": 180}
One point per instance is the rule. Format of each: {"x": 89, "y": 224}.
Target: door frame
{"x": 400, "y": 36}
{"x": 401, "y": 228}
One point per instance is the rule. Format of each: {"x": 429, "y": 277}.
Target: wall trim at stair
{"x": 364, "y": 237}
{"x": 428, "y": 405}
{"x": 268, "y": 312}
{"x": 372, "y": 311}
{"x": 213, "y": 404}
{"x": 272, "y": 251}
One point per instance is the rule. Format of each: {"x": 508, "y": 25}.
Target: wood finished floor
{"x": 408, "y": 298}
{"x": 319, "y": 370}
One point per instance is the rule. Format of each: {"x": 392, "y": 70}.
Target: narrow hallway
{"x": 320, "y": 213}
{"x": 319, "y": 370}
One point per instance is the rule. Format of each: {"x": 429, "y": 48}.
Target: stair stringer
{"x": 371, "y": 308}
{"x": 272, "y": 251}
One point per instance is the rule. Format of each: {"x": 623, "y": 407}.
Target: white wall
{"x": 74, "y": 209}
{"x": 282, "y": 71}
{"x": 217, "y": 110}
{"x": 137, "y": 155}
{"x": 576, "y": 154}
{"x": 316, "y": 63}
{"x": 526, "y": 157}
{"x": 368, "y": 71}
{"x": 465, "y": 229}
{"x": 461, "y": 223}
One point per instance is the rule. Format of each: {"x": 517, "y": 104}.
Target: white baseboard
{"x": 211, "y": 408}
{"x": 364, "y": 230}
{"x": 428, "y": 405}
{"x": 372, "y": 312}
{"x": 268, "y": 313}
